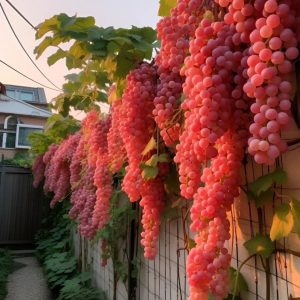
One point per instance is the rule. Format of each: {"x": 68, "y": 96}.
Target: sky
{"x": 117, "y": 13}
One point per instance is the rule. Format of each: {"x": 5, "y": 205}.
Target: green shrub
{"x": 78, "y": 288}
{"x": 55, "y": 251}
{"x": 6, "y": 263}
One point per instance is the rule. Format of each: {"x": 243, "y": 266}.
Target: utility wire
{"x": 20, "y": 43}
{"x": 12, "y": 68}
{"x": 26, "y": 20}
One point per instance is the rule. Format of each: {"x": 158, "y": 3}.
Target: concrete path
{"x": 27, "y": 282}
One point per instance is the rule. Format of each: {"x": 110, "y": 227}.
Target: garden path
{"x": 27, "y": 281}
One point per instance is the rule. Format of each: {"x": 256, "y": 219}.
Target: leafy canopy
{"x": 103, "y": 55}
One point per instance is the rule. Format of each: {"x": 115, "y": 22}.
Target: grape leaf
{"x": 59, "y": 54}
{"x": 165, "y": 7}
{"x": 149, "y": 172}
{"x": 191, "y": 244}
{"x": 295, "y": 207}
{"x": 152, "y": 161}
{"x": 150, "y": 146}
{"x": 283, "y": 222}
{"x": 238, "y": 279}
{"x": 263, "y": 183}
{"x": 260, "y": 244}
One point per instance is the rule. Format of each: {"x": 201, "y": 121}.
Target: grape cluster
{"x": 38, "y": 170}
{"x": 116, "y": 148}
{"x": 270, "y": 29}
{"x": 47, "y": 157}
{"x": 137, "y": 128}
{"x": 208, "y": 262}
{"x": 57, "y": 172}
{"x": 137, "y": 125}
{"x": 102, "y": 176}
{"x": 215, "y": 133}
{"x": 152, "y": 201}
{"x": 76, "y": 163}
{"x": 210, "y": 99}
{"x": 174, "y": 33}
{"x": 83, "y": 199}
{"x": 90, "y": 177}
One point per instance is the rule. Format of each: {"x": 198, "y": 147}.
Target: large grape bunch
{"x": 137, "y": 125}
{"x": 208, "y": 262}
{"x": 137, "y": 128}
{"x": 211, "y": 99}
{"x": 211, "y": 149}
{"x": 83, "y": 196}
{"x": 174, "y": 33}
{"x": 83, "y": 200}
{"x": 116, "y": 147}
{"x": 102, "y": 176}
{"x": 57, "y": 172}
{"x": 273, "y": 41}
{"x": 152, "y": 201}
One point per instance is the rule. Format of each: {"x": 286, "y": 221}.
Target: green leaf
{"x": 59, "y": 54}
{"x": 236, "y": 281}
{"x": 263, "y": 183}
{"x": 260, "y": 244}
{"x": 165, "y": 7}
{"x": 191, "y": 244}
{"x": 263, "y": 198}
{"x": 149, "y": 172}
{"x": 76, "y": 24}
{"x": 150, "y": 146}
{"x": 46, "y": 26}
{"x": 283, "y": 222}
{"x": 295, "y": 208}
{"x": 152, "y": 161}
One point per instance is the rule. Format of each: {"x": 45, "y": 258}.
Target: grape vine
{"x": 220, "y": 88}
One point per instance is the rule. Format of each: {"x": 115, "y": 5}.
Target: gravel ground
{"x": 27, "y": 282}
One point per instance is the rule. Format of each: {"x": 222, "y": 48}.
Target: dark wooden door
{"x": 20, "y": 206}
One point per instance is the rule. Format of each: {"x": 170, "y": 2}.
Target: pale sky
{"x": 117, "y": 13}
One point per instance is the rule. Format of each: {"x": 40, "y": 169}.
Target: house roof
{"x": 9, "y": 105}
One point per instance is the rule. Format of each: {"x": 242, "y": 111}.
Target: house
{"x": 22, "y": 110}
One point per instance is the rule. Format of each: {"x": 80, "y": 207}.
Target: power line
{"x": 20, "y": 43}
{"x": 23, "y": 17}
{"x": 12, "y": 68}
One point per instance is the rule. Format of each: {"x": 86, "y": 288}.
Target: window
{"x": 23, "y": 131}
{"x": 8, "y": 134}
{"x": 11, "y": 93}
{"x": 21, "y": 95}
{"x": 27, "y": 96}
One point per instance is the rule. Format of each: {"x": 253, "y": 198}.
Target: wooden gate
{"x": 20, "y": 206}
